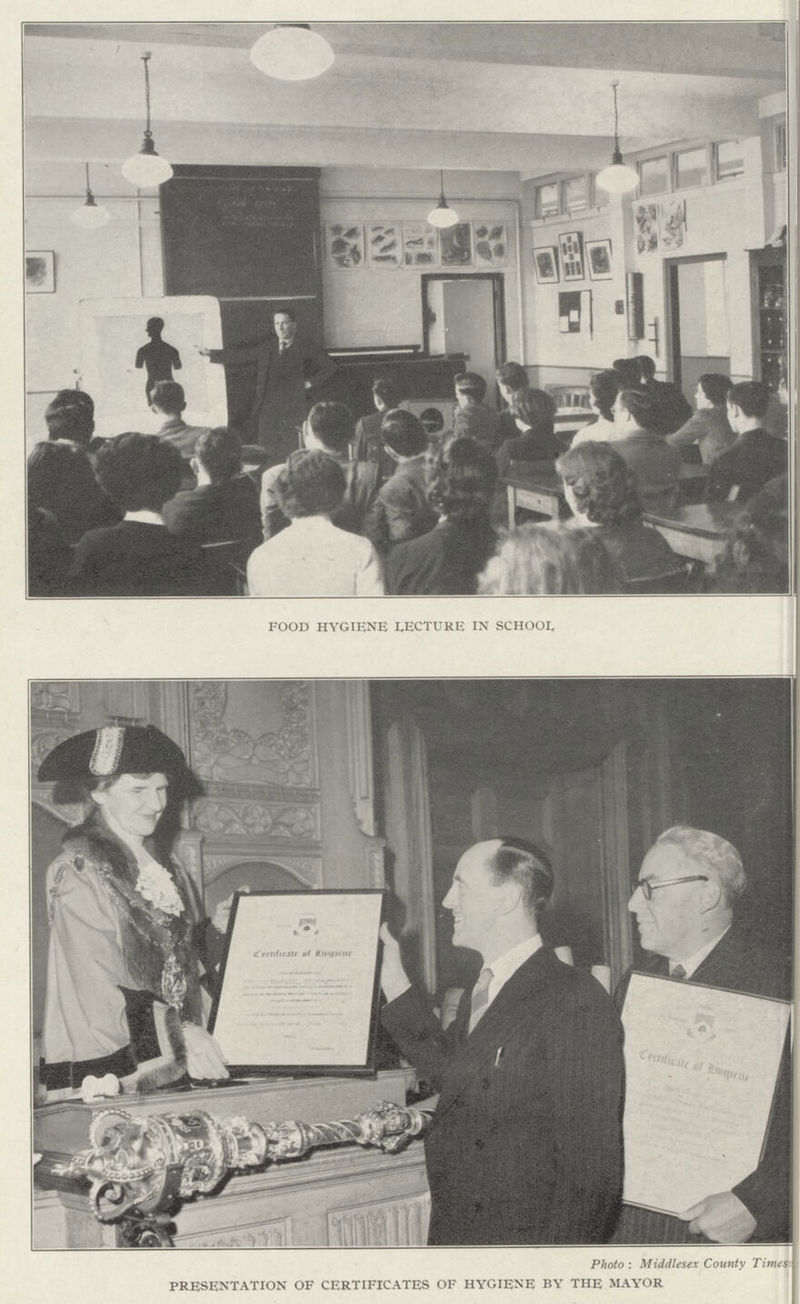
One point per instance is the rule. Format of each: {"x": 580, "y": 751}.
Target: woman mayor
{"x": 126, "y": 938}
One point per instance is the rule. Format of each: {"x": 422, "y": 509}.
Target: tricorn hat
{"x": 114, "y": 749}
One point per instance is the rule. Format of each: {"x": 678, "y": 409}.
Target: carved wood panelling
{"x": 273, "y": 821}
{"x": 254, "y": 733}
{"x": 259, "y": 1236}
{"x": 308, "y": 870}
{"x": 387, "y": 1222}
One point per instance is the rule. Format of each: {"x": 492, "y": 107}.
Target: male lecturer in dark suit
{"x": 525, "y": 1147}
{"x": 689, "y": 883}
{"x": 288, "y": 367}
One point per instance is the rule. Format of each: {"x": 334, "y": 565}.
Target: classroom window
{"x": 691, "y": 168}
{"x": 576, "y": 194}
{"x": 729, "y": 159}
{"x": 546, "y": 202}
{"x": 653, "y": 176}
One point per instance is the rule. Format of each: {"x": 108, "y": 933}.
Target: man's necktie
{"x": 678, "y": 972}
{"x": 480, "y": 997}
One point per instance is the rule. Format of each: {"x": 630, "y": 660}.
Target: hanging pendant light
{"x": 442, "y": 215}
{"x": 617, "y": 178}
{"x": 90, "y": 215}
{"x": 147, "y": 168}
{"x": 292, "y": 52}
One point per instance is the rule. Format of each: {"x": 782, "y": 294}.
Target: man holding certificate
{"x": 525, "y": 1147}
{"x": 707, "y": 1148}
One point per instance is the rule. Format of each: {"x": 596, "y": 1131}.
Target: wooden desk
{"x": 697, "y": 530}
{"x": 536, "y": 487}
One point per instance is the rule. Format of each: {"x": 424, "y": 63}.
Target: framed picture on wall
{"x": 598, "y": 256}
{"x": 384, "y": 244}
{"x": 419, "y": 245}
{"x": 455, "y": 245}
{"x": 346, "y": 245}
{"x": 545, "y": 261}
{"x": 40, "y": 271}
{"x": 491, "y": 244}
{"x": 570, "y": 244}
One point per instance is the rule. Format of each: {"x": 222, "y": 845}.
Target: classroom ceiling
{"x": 525, "y": 98}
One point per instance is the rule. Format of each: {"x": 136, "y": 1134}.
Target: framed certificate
{"x": 299, "y": 984}
{"x": 701, "y": 1065}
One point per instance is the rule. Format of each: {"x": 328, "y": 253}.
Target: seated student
{"x": 313, "y": 557}
{"x": 328, "y": 427}
{"x": 448, "y": 558}
{"x": 755, "y": 456}
{"x": 167, "y": 400}
{"x": 49, "y": 553}
{"x": 473, "y": 418}
{"x": 708, "y": 428}
{"x": 533, "y": 411}
{"x": 756, "y": 556}
{"x": 628, "y": 372}
{"x": 601, "y": 493}
{"x": 603, "y": 389}
{"x": 655, "y": 463}
{"x": 368, "y": 444}
{"x": 224, "y": 504}
{"x": 671, "y": 409}
{"x": 61, "y": 480}
{"x": 549, "y": 559}
{"x": 138, "y": 557}
{"x": 402, "y": 509}
{"x": 510, "y": 377}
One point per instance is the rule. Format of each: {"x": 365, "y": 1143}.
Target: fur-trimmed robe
{"x": 121, "y": 973}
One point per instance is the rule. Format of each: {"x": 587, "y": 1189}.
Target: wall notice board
{"x": 241, "y": 232}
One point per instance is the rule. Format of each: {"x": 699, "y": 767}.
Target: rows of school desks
{"x": 692, "y": 529}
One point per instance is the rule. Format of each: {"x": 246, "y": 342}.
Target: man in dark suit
{"x": 288, "y": 366}
{"x": 526, "y": 1144}
{"x": 755, "y": 457}
{"x": 689, "y": 883}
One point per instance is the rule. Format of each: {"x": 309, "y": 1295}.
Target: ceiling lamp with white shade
{"x": 617, "y": 178}
{"x": 90, "y": 215}
{"x": 292, "y": 52}
{"x": 442, "y": 215}
{"x": 147, "y": 168}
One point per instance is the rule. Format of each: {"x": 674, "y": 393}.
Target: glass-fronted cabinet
{"x": 769, "y": 313}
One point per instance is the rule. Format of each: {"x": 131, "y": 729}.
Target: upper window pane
{"x": 653, "y": 176}
{"x": 691, "y": 167}
{"x": 730, "y": 159}
{"x": 576, "y": 194}
{"x": 546, "y": 204}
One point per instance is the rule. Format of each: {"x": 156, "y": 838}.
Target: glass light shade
{"x": 147, "y": 168}
{"x": 90, "y": 215}
{"x": 292, "y": 53}
{"x": 617, "y": 178}
{"x": 442, "y": 216}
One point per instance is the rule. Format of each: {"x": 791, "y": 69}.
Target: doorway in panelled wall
{"x": 466, "y": 314}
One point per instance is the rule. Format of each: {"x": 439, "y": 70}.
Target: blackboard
{"x": 241, "y": 232}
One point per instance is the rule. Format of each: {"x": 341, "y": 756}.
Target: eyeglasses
{"x": 647, "y": 888}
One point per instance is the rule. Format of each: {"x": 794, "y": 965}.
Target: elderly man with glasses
{"x": 684, "y": 903}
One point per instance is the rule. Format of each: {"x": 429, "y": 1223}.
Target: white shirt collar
{"x": 507, "y": 964}
{"x": 694, "y": 961}
{"x": 146, "y": 517}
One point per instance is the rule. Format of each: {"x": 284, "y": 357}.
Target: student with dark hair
{"x": 671, "y": 409}
{"x": 138, "y": 557}
{"x": 62, "y": 482}
{"x": 474, "y": 419}
{"x": 167, "y": 399}
{"x": 603, "y": 389}
{"x": 533, "y": 411}
{"x": 449, "y": 557}
{"x": 70, "y": 422}
{"x": 224, "y": 504}
{"x": 313, "y": 558}
{"x": 328, "y": 427}
{"x": 755, "y": 457}
{"x": 510, "y": 377}
{"x": 655, "y": 463}
{"x": 708, "y": 429}
{"x": 402, "y": 509}
{"x": 368, "y": 443}
{"x": 628, "y": 372}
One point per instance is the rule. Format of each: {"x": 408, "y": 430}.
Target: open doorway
{"x": 697, "y": 299}
{"x": 466, "y": 314}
